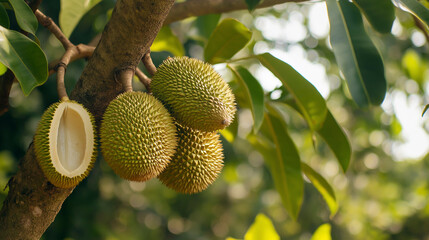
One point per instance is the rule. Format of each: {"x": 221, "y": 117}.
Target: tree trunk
{"x": 32, "y": 202}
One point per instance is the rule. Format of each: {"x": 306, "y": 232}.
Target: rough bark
{"x": 32, "y": 202}
{"x": 195, "y": 8}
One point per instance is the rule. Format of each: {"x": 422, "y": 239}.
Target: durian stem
{"x": 83, "y": 51}
{"x": 125, "y": 77}
{"x": 144, "y": 79}
{"x": 147, "y": 61}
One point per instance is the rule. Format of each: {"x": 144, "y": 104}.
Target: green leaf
{"x": 413, "y": 65}
{"x": 308, "y": 99}
{"x": 417, "y": 9}
{"x": 3, "y": 69}
{"x": 229, "y": 37}
{"x": 24, "y": 57}
{"x": 230, "y": 238}
{"x": 4, "y": 18}
{"x": 252, "y": 4}
{"x": 323, "y": 232}
{"x": 254, "y": 94}
{"x": 285, "y": 167}
{"x": 24, "y": 16}
{"x": 262, "y": 228}
{"x": 206, "y": 24}
{"x": 72, "y": 11}
{"x": 380, "y": 14}
{"x": 337, "y": 140}
{"x": 356, "y": 55}
{"x": 167, "y": 41}
{"x": 322, "y": 186}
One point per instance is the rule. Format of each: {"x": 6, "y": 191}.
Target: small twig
{"x": 82, "y": 51}
{"x": 144, "y": 79}
{"x": 48, "y": 23}
{"x": 125, "y": 76}
{"x": 6, "y": 81}
{"x": 422, "y": 27}
{"x": 147, "y": 61}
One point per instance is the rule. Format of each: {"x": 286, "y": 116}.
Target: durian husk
{"x": 138, "y": 136}
{"x": 197, "y": 162}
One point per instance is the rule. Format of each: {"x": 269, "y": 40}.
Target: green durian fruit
{"x": 197, "y": 162}
{"x": 194, "y": 93}
{"x": 138, "y": 136}
{"x": 65, "y": 143}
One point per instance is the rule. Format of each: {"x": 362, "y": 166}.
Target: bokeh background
{"x": 383, "y": 195}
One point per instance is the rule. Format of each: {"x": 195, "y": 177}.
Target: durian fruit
{"x": 65, "y": 143}
{"x": 138, "y": 136}
{"x": 197, "y": 162}
{"x": 194, "y": 93}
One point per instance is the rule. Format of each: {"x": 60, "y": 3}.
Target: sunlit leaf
{"x": 337, "y": 140}
{"x": 230, "y": 238}
{"x": 262, "y": 228}
{"x": 24, "y": 16}
{"x": 206, "y": 24}
{"x": 3, "y": 69}
{"x": 417, "y": 9}
{"x": 323, "y": 232}
{"x": 229, "y": 37}
{"x": 413, "y": 65}
{"x": 167, "y": 41}
{"x": 254, "y": 94}
{"x": 24, "y": 57}
{"x": 380, "y": 14}
{"x": 308, "y": 99}
{"x": 322, "y": 186}
{"x": 252, "y": 4}
{"x": 285, "y": 167}
{"x": 71, "y": 13}
{"x": 4, "y": 18}
{"x": 357, "y": 57}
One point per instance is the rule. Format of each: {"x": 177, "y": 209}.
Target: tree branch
{"x": 195, "y": 8}
{"x": 32, "y": 202}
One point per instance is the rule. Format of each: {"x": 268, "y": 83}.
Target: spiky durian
{"x": 138, "y": 136}
{"x": 194, "y": 93}
{"x": 65, "y": 143}
{"x": 197, "y": 162}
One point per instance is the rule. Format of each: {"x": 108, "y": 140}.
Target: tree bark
{"x": 32, "y": 202}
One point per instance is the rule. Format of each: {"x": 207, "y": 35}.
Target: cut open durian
{"x": 65, "y": 143}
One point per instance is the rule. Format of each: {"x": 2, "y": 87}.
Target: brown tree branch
{"x": 48, "y": 23}
{"x": 143, "y": 79}
{"x": 195, "y": 8}
{"x": 147, "y": 62}
{"x": 32, "y": 202}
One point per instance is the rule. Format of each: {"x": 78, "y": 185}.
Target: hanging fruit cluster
{"x": 171, "y": 134}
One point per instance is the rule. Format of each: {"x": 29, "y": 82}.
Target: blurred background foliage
{"x": 383, "y": 195}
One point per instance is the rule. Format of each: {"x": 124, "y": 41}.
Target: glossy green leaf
{"x": 285, "y": 167}
{"x": 417, "y": 9}
{"x": 322, "y": 186}
{"x": 252, "y": 4}
{"x": 254, "y": 94}
{"x": 4, "y": 18}
{"x": 24, "y": 57}
{"x": 380, "y": 14}
{"x": 24, "y": 16}
{"x": 229, "y": 37}
{"x": 357, "y": 57}
{"x": 71, "y": 13}
{"x": 3, "y": 69}
{"x": 167, "y": 41}
{"x": 308, "y": 99}
{"x": 323, "y": 232}
{"x": 330, "y": 131}
{"x": 337, "y": 140}
{"x": 262, "y": 228}
{"x": 206, "y": 24}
